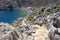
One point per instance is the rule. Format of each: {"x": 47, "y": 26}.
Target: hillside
{"x": 14, "y": 4}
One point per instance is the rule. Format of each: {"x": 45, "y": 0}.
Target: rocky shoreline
{"x": 41, "y": 24}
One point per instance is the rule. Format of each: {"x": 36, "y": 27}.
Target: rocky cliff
{"x": 41, "y": 24}
{"x": 14, "y": 4}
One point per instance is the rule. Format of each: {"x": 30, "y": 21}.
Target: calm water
{"x": 9, "y": 16}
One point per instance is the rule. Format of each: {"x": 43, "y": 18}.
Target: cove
{"x": 10, "y": 16}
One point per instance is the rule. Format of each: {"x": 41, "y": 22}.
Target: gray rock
{"x": 55, "y": 6}
{"x": 48, "y": 9}
{"x": 59, "y": 30}
{"x": 8, "y": 5}
{"x": 57, "y": 37}
{"x": 41, "y": 10}
{"x": 57, "y": 22}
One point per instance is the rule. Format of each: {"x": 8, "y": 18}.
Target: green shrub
{"x": 41, "y": 14}
{"x": 57, "y": 9}
{"x": 36, "y": 28}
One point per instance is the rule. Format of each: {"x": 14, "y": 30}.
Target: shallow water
{"x": 10, "y": 16}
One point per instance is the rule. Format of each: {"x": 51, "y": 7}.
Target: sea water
{"x": 10, "y": 16}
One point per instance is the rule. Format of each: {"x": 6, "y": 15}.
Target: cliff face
{"x": 11, "y": 4}
{"x": 8, "y": 4}
{"x": 43, "y": 24}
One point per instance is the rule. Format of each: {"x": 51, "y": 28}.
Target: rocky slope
{"x": 46, "y": 20}
{"x": 8, "y": 4}
{"x": 15, "y": 4}
{"x": 41, "y": 24}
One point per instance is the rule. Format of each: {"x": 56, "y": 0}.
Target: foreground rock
{"x": 22, "y": 32}
{"x": 8, "y": 32}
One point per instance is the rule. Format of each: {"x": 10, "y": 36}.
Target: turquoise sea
{"x": 10, "y": 16}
